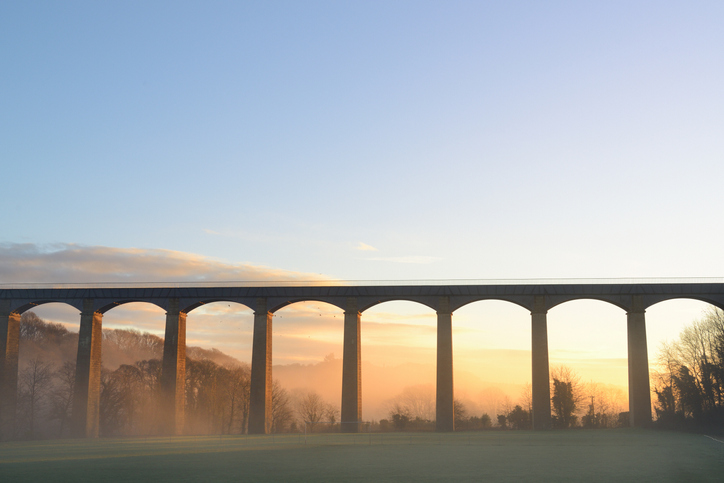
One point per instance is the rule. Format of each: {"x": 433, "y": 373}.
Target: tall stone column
{"x": 541, "y": 386}
{"x": 9, "y": 344}
{"x": 260, "y": 404}
{"x": 173, "y": 371}
{"x": 86, "y": 398}
{"x": 444, "y": 405}
{"x": 351, "y": 369}
{"x": 639, "y": 391}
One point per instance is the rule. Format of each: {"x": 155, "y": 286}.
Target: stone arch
{"x": 308, "y": 341}
{"x": 615, "y": 301}
{"x": 324, "y": 324}
{"x": 492, "y": 344}
{"x": 399, "y": 356}
{"x": 279, "y": 306}
{"x": 653, "y": 301}
{"x": 424, "y": 301}
{"x": 515, "y": 302}
{"x": 589, "y": 335}
{"x": 226, "y": 326}
{"x": 221, "y": 300}
{"x": 667, "y": 318}
{"x": 38, "y": 303}
{"x": 110, "y": 306}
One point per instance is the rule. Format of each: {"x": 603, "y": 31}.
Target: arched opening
{"x": 132, "y": 332}
{"x": 587, "y": 342}
{"x": 307, "y": 367}
{"x": 685, "y": 339}
{"x": 218, "y": 368}
{"x": 132, "y": 367}
{"x": 49, "y": 332}
{"x": 492, "y": 351}
{"x": 399, "y": 364}
{"x": 48, "y": 347}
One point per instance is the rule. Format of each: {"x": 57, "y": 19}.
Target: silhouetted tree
{"x": 689, "y": 383}
{"x": 236, "y": 385}
{"x": 485, "y": 421}
{"x": 461, "y": 414}
{"x": 34, "y": 387}
{"x": 565, "y": 398}
{"x": 282, "y": 412}
{"x": 311, "y": 408}
{"x": 564, "y": 404}
{"x": 502, "y": 421}
{"x": 61, "y": 398}
{"x": 519, "y": 418}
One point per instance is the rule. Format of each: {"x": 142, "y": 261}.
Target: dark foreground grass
{"x": 614, "y": 455}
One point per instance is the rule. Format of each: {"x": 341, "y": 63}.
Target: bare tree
{"x": 236, "y": 386}
{"x": 282, "y": 413}
{"x": 416, "y": 402}
{"x": 61, "y": 399}
{"x": 331, "y": 413}
{"x": 311, "y": 408}
{"x": 35, "y": 385}
{"x": 526, "y": 397}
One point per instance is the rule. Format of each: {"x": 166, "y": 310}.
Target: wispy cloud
{"x": 70, "y": 263}
{"x": 365, "y": 247}
{"x": 211, "y": 232}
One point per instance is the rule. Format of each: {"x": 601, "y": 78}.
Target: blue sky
{"x": 367, "y": 140}
{"x": 520, "y": 140}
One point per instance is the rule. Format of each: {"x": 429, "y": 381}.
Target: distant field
{"x": 613, "y": 455}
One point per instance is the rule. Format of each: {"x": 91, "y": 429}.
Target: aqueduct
{"x": 179, "y": 299}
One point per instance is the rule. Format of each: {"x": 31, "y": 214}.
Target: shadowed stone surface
{"x": 86, "y": 398}
{"x": 351, "y": 369}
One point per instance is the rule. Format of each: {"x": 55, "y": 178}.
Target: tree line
{"x": 573, "y": 404}
{"x": 689, "y": 383}
{"x": 688, "y": 390}
{"x": 216, "y": 388}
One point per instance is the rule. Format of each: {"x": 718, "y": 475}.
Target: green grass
{"x": 622, "y": 455}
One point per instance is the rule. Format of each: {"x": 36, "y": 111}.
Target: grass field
{"x": 613, "y": 455}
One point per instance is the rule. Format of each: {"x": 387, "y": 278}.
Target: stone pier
{"x": 541, "y": 389}
{"x": 260, "y": 403}
{"x": 9, "y": 345}
{"x": 444, "y": 401}
{"x": 173, "y": 371}
{"x": 86, "y": 398}
{"x": 639, "y": 391}
{"x": 351, "y": 369}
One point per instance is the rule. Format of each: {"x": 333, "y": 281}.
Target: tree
{"x": 35, "y": 381}
{"x": 591, "y": 420}
{"x": 111, "y": 404}
{"x": 282, "y": 413}
{"x": 236, "y": 386}
{"x": 485, "y": 421}
{"x": 400, "y": 416}
{"x": 566, "y": 396}
{"x": 61, "y": 399}
{"x": 689, "y": 382}
{"x": 311, "y": 408}
{"x": 526, "y": 397}
{"x": 331, "y": 413}
{"x": 503, "y": 421}
{"x": 461, "y": 414}
{"x": 519, "y": 418}
{"x": 419, "y": 401}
